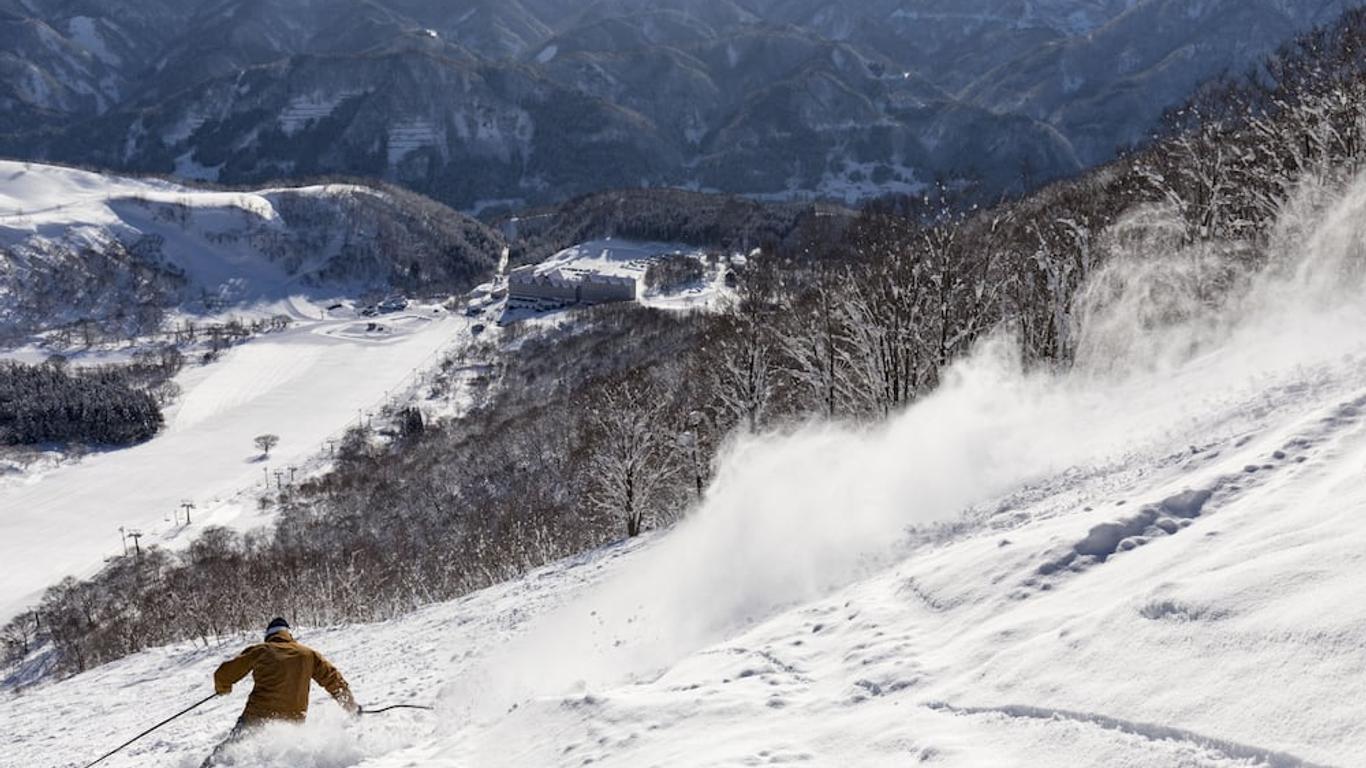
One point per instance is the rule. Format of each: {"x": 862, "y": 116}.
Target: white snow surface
{"x": 1152, "y": 560}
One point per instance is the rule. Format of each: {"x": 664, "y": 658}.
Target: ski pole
{"x": 364, "y": 711}
{"x": 182, "y": 712}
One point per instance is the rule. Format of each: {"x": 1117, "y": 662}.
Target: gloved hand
{"x": 349, "y": 703}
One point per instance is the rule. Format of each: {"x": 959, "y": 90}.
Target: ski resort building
{"x": 568, "y": 286}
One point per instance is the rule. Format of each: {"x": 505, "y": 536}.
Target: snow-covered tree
{"x": 741, "y": 373}
{"x": 811, "y": 353}
{"x": 633, "y": 458}
{"x": 696, "y": 452}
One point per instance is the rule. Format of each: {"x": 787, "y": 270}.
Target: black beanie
{"x": 276, "y": 624}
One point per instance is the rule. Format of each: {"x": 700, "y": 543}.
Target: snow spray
{"x": 1169, "y": 337}
{"x": 327, "y": 739}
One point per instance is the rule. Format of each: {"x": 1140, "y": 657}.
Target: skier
{"x": 281, "y": 670}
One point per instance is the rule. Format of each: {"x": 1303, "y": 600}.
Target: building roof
{"x": 565, "y": 277}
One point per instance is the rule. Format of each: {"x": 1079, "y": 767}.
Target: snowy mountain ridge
{"x": 541, "y": 101}
{"x": 78, "y": 246}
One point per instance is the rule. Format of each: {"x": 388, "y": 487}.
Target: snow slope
{"x": 1232, "y": 643}
{"x": 1153, "y": 560}
{"x": 304, "y": 384}
{"x": 205, "y": 243}
{"x": 212, "y": 247}
{"x": 77, "y": 246}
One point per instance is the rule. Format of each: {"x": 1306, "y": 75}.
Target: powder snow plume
{"x": 1168, "y": 333}
{"x": 324, "y": 741}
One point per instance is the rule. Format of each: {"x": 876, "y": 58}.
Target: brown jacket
{"x": 281, "y": 670}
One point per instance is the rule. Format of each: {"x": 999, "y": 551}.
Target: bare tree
{"x": 812, "y": 357}
{"x": 741, "y": 374}
{"x": 266, "y": 442}
{"x": 696, "y": 454}
{"x": 884, "y": 329}
{"x": 633, "y": 461}
{"x": 20, "y": 636}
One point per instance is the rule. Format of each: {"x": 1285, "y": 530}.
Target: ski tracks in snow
{"x": 1229, "y": 751}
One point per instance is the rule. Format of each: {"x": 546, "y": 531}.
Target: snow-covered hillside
{"x": 77, "y": 246}
{"x": 306, "y": 385}
{"x": 133, "y": 258}
{"x": 212, "y": 238}
{"x": 1230, "y": 643}
{"x": 1151, "y": 560}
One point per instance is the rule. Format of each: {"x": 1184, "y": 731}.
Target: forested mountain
{"x": 534, "y": 101}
